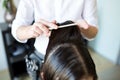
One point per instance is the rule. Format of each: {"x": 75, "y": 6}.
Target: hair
{"x": 67, "y": 56}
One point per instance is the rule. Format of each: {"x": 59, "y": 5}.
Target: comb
{"x": 67, "y": 25}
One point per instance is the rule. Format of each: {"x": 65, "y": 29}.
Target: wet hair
{"x": 67, "y": 56}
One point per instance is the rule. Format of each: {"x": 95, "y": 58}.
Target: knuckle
{"x": 42, "y": 26}
{"x": 35, "y": 27}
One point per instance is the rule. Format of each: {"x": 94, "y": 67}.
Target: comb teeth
{"x": 62, "y": 26}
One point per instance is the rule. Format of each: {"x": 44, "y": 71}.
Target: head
{"x": 67, "y": 57}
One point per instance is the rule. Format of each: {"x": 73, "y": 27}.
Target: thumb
{"x": 82, "y": 24}
{"x": 54, "y": 21}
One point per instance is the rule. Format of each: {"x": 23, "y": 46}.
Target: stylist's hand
{"x": 89, "y": 31}
{"x": 42, "y": 28}
{"x": 82, "y": 24}
{"x": 38, "y": 28}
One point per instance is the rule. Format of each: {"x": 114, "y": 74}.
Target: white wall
{"x": 108, "y": 39}
{"x": 3, "y": 61}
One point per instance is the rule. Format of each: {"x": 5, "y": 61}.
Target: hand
{"x": 82, "y": 24}
{"x": 87, "y": 30}
{"x": 41, "y": 27}
{"x": 35, "y": 30}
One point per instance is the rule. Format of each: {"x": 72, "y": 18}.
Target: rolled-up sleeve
{"x": 90, "y": 12}
{"x": 24, "y": 16}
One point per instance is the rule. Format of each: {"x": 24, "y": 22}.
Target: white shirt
{"x": 59, "y": 10}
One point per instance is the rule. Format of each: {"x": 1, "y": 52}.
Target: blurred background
{"x": 105, "y": 49}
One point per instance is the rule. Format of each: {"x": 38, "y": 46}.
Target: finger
{"x": 83, "y": 24}
{"x": 49, "y": 24}
{"x": 54, "y": 21}
{"x": 48, "y": 35}
{"x": 42, "y": 27}
{"x": 34, "y": 34}
{"x": 37, "y": 30}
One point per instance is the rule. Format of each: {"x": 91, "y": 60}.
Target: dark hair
{"x": 67, "y": 57}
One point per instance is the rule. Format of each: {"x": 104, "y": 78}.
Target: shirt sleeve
{"x": 90, "y": 12}
{"x": 24, "y": 16}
